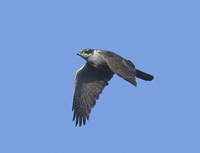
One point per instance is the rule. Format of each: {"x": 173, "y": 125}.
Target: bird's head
{"x": 86, "y": 53}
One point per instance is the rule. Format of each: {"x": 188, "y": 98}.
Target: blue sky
{"x": 39, "y": 41}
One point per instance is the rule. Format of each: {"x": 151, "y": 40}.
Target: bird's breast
{"x": 98, "y": 61}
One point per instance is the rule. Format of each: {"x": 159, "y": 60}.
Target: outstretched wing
{"x": 89, "y": 84}
{"x": 122, "y": 67}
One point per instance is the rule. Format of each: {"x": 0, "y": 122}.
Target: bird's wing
{"x": 89, "y": 84}
{"x": 122, "y": 67}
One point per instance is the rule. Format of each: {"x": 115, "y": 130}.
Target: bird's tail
{"x": 143, "y": 75}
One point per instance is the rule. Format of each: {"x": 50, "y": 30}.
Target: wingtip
{"x": 80, "y": 121}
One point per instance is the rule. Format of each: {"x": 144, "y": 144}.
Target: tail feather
{"x": 143, "y": 75}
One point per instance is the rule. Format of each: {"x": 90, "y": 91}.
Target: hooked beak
{"x": 79, "y": 53}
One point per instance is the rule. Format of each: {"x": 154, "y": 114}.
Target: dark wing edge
{"x": 89, "y": 84}
{"x": 122, "y": 67}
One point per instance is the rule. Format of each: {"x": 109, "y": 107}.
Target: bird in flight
{"x": 93, "y": 76}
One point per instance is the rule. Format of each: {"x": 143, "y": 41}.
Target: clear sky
{"x": 39, "y": 40}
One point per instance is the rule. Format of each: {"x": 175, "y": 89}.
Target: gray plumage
{"x": 91, "y": 79}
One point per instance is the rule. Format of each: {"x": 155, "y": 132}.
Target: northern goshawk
{"x": 91, "y": 79}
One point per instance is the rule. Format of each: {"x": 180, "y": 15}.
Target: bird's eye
{"x": 87, "y": 51}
